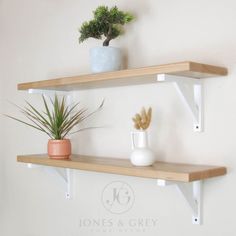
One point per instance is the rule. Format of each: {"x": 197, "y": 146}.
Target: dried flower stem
{"x": 142, "y": 120}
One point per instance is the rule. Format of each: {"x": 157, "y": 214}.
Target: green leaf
{"x": 106, "y": 22}
{"x": 56, "y": 122}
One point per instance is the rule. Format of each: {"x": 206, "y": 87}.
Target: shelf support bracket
{"x": 64, "y": 174}
{"x": 48, "y": 92}
{"x": 190, "y": 91}
{"x": 192, "y": 194}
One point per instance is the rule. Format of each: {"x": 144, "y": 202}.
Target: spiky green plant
{"x": 57, "y": 119}
{"x": 107, "y": 22}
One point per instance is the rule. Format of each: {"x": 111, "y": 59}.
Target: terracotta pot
{"x": 59, "y": 149}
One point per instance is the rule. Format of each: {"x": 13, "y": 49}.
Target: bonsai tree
{"x": 142, "y": 120}
{"x": 107, "y": 23}
{"x": 57, "y": 119}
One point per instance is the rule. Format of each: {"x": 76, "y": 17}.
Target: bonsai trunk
{"x": 107, "y": 41}
{"x": 108, "y": 37}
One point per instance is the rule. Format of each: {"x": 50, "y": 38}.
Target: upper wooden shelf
{"x": 127, "y": 77}
{"x": 160, "y": 170}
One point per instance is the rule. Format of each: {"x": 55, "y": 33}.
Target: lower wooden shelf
{"x": 160, "y": 170}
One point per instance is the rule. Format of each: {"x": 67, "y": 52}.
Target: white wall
{"x": 1, "y": 153}
{"x": 39, "y": 41}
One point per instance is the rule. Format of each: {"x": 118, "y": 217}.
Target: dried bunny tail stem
{"x": 140, "y": 125}
{"x": 145, "y": 126}
{"x": 149, "y": 115}
{"x": 138, "y": 117}
{"x": 136, "y": 123}
{"x": 143, "y": 120}
{"x": 143, "y": 115}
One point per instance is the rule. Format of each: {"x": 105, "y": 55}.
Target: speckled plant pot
{"x": 104, "y": 59}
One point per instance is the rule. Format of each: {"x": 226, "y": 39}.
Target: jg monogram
{"x": 117, "y": 197}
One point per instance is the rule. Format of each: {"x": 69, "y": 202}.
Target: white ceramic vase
{"x": 104, "y": 59}
{"x": 141, "y": 155}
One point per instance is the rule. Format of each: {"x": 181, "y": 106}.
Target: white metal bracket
{"x": 190, "y": 90}
{"x": 50, "y": 93}
{"x": 47, "y": 92}
{"x": 65, "y": 176}
{"x": 192, "y": 193}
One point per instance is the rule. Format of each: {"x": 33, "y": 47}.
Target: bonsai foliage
{"x": 142, "y": 120}
{"x": 56, "y": 122}
{"x": 106, "y": 23}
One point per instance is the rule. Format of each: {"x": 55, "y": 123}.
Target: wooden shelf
{"x": 127, "y": 77}
{"x": 178, "y": 174}
{"x": 160, "y": 170}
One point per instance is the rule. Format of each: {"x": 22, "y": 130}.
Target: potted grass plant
{"x": 107, "y": 24}
{"x": 57, "y": 120}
